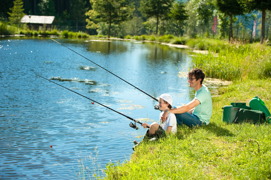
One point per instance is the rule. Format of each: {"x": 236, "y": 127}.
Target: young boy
{"x": 167, "y": 126}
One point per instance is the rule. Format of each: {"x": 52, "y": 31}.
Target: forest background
{"x": 246, "y": 20}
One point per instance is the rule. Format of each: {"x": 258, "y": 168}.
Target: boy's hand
{"x": 145, "y": 125}
{"x": 164, "y": 116}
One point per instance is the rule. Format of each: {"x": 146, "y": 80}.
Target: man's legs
{"x": 188, "y": 119}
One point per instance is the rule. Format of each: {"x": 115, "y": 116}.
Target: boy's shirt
{"x": 171, "y": 121}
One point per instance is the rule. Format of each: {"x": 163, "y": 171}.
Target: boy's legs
{"x": 188, "y": 119}
{"x": 155, "y": 131}
{"x": 154, "y": 127}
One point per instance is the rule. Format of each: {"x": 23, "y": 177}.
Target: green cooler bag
{"x": 250, "y": 116}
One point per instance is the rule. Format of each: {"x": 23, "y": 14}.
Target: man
{"x": 198, "y": 111}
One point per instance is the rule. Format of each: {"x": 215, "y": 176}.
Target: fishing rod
{"x": 132, "y": 125}
{"x": 104, "y": 69}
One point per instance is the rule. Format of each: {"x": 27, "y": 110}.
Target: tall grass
{"x": 235, "y": 61}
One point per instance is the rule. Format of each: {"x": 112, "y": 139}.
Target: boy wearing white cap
{"x": 169, "y": 125}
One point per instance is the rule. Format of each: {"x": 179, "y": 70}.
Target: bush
{"x": 177, "y": 40}
{"x": 6, "y": 29}
{"x": 65, "y": 34}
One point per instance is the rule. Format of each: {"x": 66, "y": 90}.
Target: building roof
{"x": 37, "y": 19}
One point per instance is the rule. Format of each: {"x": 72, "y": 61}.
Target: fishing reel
{"x": 156, "y": 107}
{"x": 133, "y": 125}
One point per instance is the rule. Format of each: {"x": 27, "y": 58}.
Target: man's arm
{"x": 186, "y": 108}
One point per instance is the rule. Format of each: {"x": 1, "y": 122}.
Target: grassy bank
{"x": 6, "y": 30}
{"x": 216, "y": 151}
{"x": 219, "y": 150}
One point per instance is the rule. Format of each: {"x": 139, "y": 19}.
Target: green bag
{"x": 250, "y": 116}
{"x": 257, "y": 104}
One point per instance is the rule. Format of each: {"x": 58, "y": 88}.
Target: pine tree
{"x": 17, "y": 12}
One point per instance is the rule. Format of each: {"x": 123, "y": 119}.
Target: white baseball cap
{"x": 167, "y": 98}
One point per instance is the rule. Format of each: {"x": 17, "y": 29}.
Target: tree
{"x": 178, "y": 14}
{"x": 156, "y": 8}
{"x": 200, "y": 16}
{"x": 230, "y": 8}
{"x": 47, "y": 7}
{"x": 263, "y": 6}
{"x": 107, "y": 11}
{"x": 205, "y": 13}
{"x": 17, "y": 12}
{"x": 78, "y": 10}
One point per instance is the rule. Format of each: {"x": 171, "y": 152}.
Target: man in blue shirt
{"x": 198, "y": 111}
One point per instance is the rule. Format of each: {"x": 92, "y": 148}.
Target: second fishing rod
{"x": 132, "y": 125}
{"x": 107, "y": 70}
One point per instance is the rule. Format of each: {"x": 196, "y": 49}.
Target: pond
{"x": 47, "y": 132}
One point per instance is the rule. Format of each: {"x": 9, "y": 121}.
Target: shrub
{"x": 6, "y": 29}
{"x": 65, "y": 34}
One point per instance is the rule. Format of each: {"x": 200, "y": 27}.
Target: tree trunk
{"x": 157, "y": 24}
{"x": 231, "y": 30}
{"x": 109, "y": 30}
{"x": 263, "y": 26}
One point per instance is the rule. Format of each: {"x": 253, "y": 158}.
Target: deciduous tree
{"x": 178, "y": 14}
{"x": 156, "y": 8}
{"x": 109, "y": 12}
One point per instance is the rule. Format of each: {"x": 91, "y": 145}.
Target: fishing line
{"x": 133, "y": 125}
{"x": 105, "y": 69}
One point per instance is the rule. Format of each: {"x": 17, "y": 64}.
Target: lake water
{"x": 47, "y": 132}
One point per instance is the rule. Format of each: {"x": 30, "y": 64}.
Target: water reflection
{"x": 106, "y": 47}
{"x": 47, "y": 132}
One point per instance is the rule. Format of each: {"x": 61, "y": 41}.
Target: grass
{"x": 236, "y": 61}
{"x": 216, "y": 151}
{"x": 6, "y": 29}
